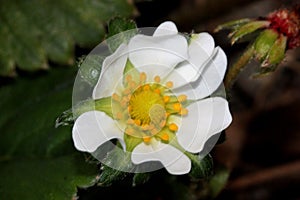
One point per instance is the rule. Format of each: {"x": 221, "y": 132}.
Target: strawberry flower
{"x": 154, "y": 96}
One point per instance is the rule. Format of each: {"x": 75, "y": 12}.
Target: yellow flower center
{"x": 145, "y": 108}
{"x": 146, "y": 105}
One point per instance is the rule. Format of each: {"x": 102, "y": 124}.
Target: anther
{"x": 143, "y": 76}
{"x": 137, "y": 122}
{"x": 132, "y": 84}
{"x": 183, "y": 111}
{"x": 119, "y": 115}
{"x": 177, "y": 106}
{"x": 173, "y": 127}
{"x": 129, "y": 131}
{"x": 182, "y": 98}
{"x": 145, "y": 127}
{"x": 154, "y": 131}
{"x": 169, "y": 84}
{"x": 167, "y": 114}
{"x": 157, "y": 79}
{"x": 146, "y": 139}
{"x": 126, "y": 91}
{"x": 130, "y": 121}
{"x": 146, "y": 87}
{"x": 157, "y": 91}
{"x": 115, "y": 97}
{"x": 165, "y": 137}
{"x": 166, "y": 99}
{"x": 128, "y": 78}
{"x": 124, "y": 103}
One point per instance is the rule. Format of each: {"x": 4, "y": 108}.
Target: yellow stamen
{"x": 165, "y": 137}
{"x": 146, "y": 139}
{"x": 167, "y": 114}
{"x": 129, "y": 131}
{"x": 162, "y": 123}
{"x": 126, "y": 91}
{"x": 129, "y": 108}
{"x": 154, "y": 131}
{"x": 166, "y": 99}
{"x": 177, "y": 106}
{"x": 146, "y": 87}
{"x": 128, "y": 78}
{"x": 125, "y": 98}
{"x": 182, "y": 98}
{"x": 137, "y": 122}
{"x": 169, "y": 84}
{"x": 145, "y": 127}
{"x": 115, "y": 97}
{"x": 130, "y": 121}
{"x": 157, "y": 79}
{"x": 143, "y": 76}
{"x": 157, "y": 91}
{"x": 119, "y": 115}
{"x": 132, "y": 84}
{"x": 183, "y": 111}
{"x": 124, "y": 103}
{"x": 173, "y": 127}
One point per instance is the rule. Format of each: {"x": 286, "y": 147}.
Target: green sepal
{"x": 90, "y": 68}
{"x": 69, "y": 116}
{"x": 218, "y": 181}
{"x": 201, "y": 167}
{"x": 277, "y": 52}
{"x": 122, "y": 167}
{"x": 264, "y": 43}
{"x": 140, "y": 179}
{"x": 129, "y": 69}
{"x": 123, "y": 28}
{"x": 131, "y": 142}
{"x": 232, "y": 24}
{"x": 211, "y": 187}
{"x": 247, "y": 29}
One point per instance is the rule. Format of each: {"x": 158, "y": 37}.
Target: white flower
{"x": 158, "y": 89}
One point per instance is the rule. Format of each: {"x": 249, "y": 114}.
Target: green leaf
{"x": 201, "y": 167}
{"x": 33, "y": 31}
{"x": 125, "y": 29}
{"x": 122, "y": 165}
{"x": 38, "y": 161}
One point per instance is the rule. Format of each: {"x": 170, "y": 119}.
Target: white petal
{"x": 111, "y": 73}
{"x": 166, "y": 28}
{"x": 205, "y": 118}
{"x": 92, "y": 129}
{"x": 161, "y": 51}
{"x": 209, "y": 80}
{"x": 172, "y": 159}
{"x": 200, "y": 50}
{"x": 212, "y": 75}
